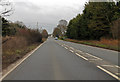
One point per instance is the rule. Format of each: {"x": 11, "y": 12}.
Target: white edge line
{"x": 20, "y": 62}
{"x": 109, "y": 72}
{"x": 81, "y": 56}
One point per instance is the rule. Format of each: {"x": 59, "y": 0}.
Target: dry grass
{"x": 44, "y": 39}
{"x": 15, "y": 47}
{"x": 104, "y": 43}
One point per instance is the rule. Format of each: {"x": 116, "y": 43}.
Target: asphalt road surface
{"x": 53, "y": 62}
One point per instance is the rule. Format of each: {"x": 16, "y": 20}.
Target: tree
{"x": 62, "y": 26}
{"x": 20, "y": 24}
{"x": 115, "y": 29}
{"x": 95, "y": 21}
{"x": 72, "y": 31}
{"x": 44, "y": 34}
{"x": 0, "y": 26}
{"x": 57, "y": 32}
{"x": 101, "y": 17}
{"x": 5, "y": 27}
{"x": 7, "y": 8}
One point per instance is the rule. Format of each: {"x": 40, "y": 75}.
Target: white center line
{"x": 81, "y": 56}
{"x": 72, "y": 48}
{"x": 79, "y": 51}
{"x": 108, "y": 72}
{"x": 66, "y": 48}
{"x": 108, "y": 65}
{"x": 71, "y": 51}
{"x": 117, "y": 73}
{"x": 94, "y": 59}
{"x": 94, "y": 56}
{"x": 117, "y": 66}
{"x": 62, "y": 45}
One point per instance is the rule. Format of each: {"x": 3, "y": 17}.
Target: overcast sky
{"x": 46, "y": 12}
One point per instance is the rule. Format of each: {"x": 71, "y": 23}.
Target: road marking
{"x": 117, "y": 73}
{"x": 108, "y": 65}
{"x": 62, "y": 45}
{"x": 71, "y": 51}
{"x": 66, "y": 48}
{"x": 94, "y": 56}
{"x": 81, "y": 56}
{"x": 67, "y": 45}
{"x": 80, "y": 51}
{"x": 117, "y": 66}
{"x": 94, "y": 59}
{"x": 20, "y": 62}
{"x": 72, "y": 48}
{"x": 108, "y": 72}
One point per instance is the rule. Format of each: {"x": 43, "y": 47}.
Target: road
{"x": 52, "y": 61}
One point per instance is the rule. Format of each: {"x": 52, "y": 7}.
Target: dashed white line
{"x": 94, "y": 56}
{"x": 62, "y": 45}
{"x": 109, "y": 72}
{"x": 117, "y": 66}
{"x": 117, "y": 73}
{"x": 71, "y": 51}
{"x": 79, "y": 51}
{"x": 81, "y": 56}
{"x": 66, "y": 48}
{"x": 108, "y": 65}
{"x": 94, "y": 59}
{"x": 72, "y": 48}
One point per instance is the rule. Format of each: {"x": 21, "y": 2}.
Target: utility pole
{"x": 40, "y": 29}
{"x": 37, "y": 25}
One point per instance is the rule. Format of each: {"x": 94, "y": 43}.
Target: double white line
{"x": 108, "y": 72}
{"x": 81, "y": 56}
{"x": 97, "y": 58}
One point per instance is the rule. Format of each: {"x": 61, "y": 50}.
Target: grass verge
{"x": 103, "y": 43}
{"x": 12, "y": 55}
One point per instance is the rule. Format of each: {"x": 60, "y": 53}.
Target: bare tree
{"x": 6, "y": 8}
{"x": 115, "y": 29}
{"x": 62, "y": 26}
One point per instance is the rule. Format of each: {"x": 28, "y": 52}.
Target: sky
{"x": 46, "y": 12}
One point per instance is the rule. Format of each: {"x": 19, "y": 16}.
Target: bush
{"x": 32, "y": 36}
{"x": 15, "y": 47}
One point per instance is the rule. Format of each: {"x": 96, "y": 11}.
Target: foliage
{"x": 18, "y": 40}
{"x": 103, "y": 43}
{"x": 44, "y": 34}
{"x": 57, "y": 32}
{"x": 115, "y": 29}
{"x": 94, "y": 22}
{"x": 5, "y": 27}
{"x": 7, "y": 8}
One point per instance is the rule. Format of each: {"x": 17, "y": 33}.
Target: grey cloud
{"x": 47, "y": 16}
{"x": 28, "y": 5}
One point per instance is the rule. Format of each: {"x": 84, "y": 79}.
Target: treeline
{"x": 99, "y": 19}
{"x": 18, "y": 40}
{"x": 20, "y": 30}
